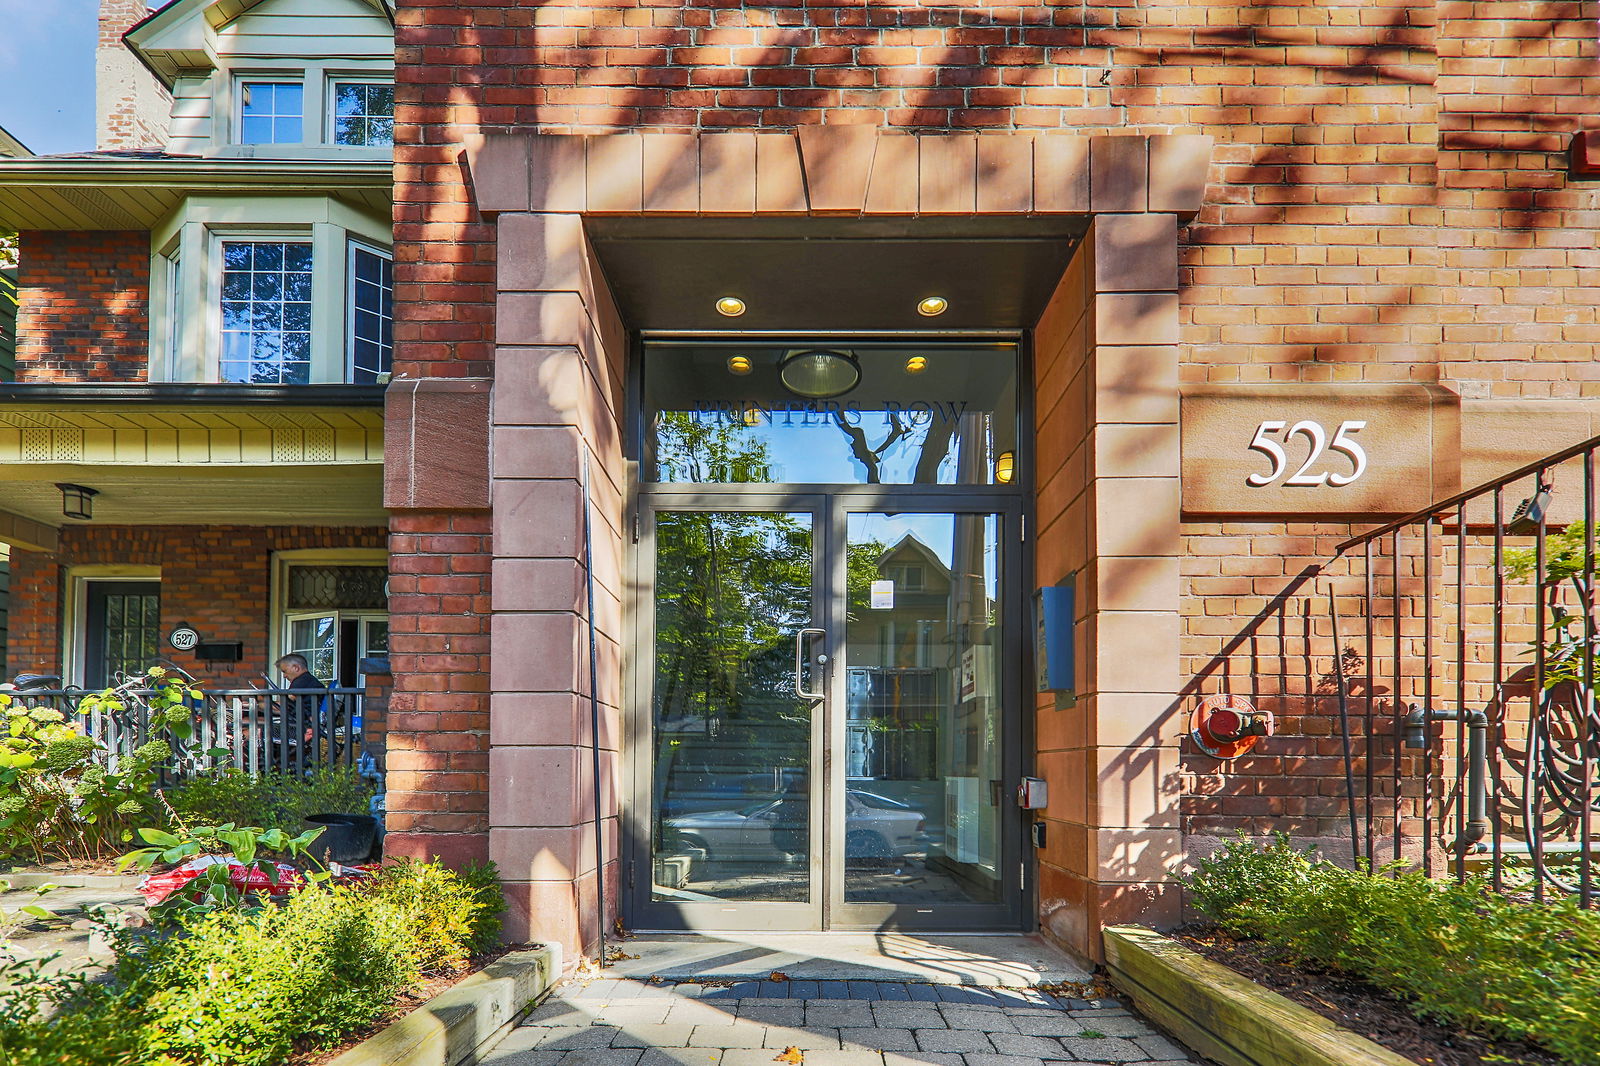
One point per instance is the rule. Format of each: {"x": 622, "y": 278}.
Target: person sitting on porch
{"x": 298, "y": 673}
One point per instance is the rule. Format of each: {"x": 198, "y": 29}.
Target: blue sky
{"x": 47, "y": 73}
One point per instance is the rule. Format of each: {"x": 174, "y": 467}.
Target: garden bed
{"x": 403, "y": 1006}
{"x": 1358, "y": 1007}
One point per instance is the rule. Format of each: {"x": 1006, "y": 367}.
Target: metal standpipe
{"x": 1477, "y": 825}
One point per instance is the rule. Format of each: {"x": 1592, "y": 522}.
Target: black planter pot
{"x": 345, "y": 838}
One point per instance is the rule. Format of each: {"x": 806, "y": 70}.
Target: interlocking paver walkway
{"x": 611, "y": 1022}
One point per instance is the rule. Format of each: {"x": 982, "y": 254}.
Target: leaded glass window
{"x": 313, "y": 588}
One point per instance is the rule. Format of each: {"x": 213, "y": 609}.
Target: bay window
{"x": 266, "y": 312}
{"x": 370, "y": 314}
{"x": 292, "y": 290}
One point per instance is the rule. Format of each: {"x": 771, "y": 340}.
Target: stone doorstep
{"x": 1224, "y": 1015}
{"x": 466, "y": 1019}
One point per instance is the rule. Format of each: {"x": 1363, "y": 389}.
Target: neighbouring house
{"x": 10, "y": 148}
{"x": 193, "y": 437}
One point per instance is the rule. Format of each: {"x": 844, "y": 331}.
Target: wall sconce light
{"x": 932, "y": 306}
{"x": 730, "y": 307}
{"x": 739, "y": 364}
{"x": 1004, "y": 467}
{"x": 916, "y": 364}
{"x": 77, "y": 501}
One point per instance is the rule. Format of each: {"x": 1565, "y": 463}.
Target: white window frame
{"x": 244, "y": 78}
{"x": 351, "y": 247}
{"x": 219, "y": 237}
{"x": 281, "y": 617}
{"x": 189, "y": 244}
{"x": 330, "y": 120}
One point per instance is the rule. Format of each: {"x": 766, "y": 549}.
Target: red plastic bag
{"x": 157, "y": 887}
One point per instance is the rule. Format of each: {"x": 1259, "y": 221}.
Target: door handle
{"x": 800, "y": 662}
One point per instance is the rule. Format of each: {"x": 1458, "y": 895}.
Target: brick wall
{"x": 438, "y": 735}
{"x": 83, "y": 306}
{"x": 216, "y": 578}
{"x": 1387, "y": 201}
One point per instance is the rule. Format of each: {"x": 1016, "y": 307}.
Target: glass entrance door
{"x": 735, "y": 686}
{"x": 829, "y": 745}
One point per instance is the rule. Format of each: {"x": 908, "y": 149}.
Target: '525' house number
{"x": 1315, "y": 470}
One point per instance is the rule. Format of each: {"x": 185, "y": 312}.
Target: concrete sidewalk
{"x": 633, "y": 1022}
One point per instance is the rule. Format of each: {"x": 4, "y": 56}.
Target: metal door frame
{"x": 730, "y": 915}
{"x": 1007, "y": 913}
{"x": 829, "y": 503}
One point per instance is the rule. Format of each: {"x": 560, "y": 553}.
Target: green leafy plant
{"x": 451, "y": 916}
{"x": 52, "y": 1017}
{"x": 1566, "y": 563}
{"x": 1461, "y": 953}
{"x": 250, "y": 986}
{"x": 1231, "y": 885}
{"x": 256, "y": 850}
{"x": 271, "y": 800}
{"x": 13, "y": 917}
{"x": 244, "y": 987}
{"x": 60, "y": 794}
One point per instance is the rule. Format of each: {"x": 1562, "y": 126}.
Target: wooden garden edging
{"x": 1225, "y": 1016}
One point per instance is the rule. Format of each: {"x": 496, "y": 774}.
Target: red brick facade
{"x": 1388, "y": 201}
{"x": 83, "y": 306}
{"x": 216, "y": 578}
{"x": 438, "y": 740}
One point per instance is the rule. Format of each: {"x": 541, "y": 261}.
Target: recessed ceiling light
{"x": 932, "y": 306}
{"x": 739, "y": 364}
{"x": 730, "y": 307}
{"x": 916, "y": 364}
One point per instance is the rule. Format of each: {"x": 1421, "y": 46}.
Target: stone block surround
{"x": 1106, "y": 354}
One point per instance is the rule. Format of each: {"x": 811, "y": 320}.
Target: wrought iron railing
{"x": 259, "y": 730}
{"x": 1465, "y": 681}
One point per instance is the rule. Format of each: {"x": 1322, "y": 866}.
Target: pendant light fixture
{"x": 819, "y": 373}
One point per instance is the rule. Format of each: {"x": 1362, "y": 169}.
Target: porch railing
{"x": 261, "y": 730}
{"x": 1465, "y": 681}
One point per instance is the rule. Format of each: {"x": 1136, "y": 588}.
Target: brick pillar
{"x": 436, "y": 486}
{"x": 558, "y": 390}
{"x": 1108, "y": 503}
{"x": 33, "y": 642}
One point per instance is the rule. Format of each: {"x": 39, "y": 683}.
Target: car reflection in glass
{"x": 876, "y": 828}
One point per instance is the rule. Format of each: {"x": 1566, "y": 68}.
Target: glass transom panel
{"x": 910, "y": 414}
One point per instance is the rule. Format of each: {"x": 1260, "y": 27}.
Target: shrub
{"x": 240, "y": 988}
{"x": 1461, "y": 953}
{"x": 77, "y": 1034}
{"x": 451, "y": 916}
{"x": 247, "y": 986}
{"x": 270, "y": 800}
{"x": 57, "y": 799}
